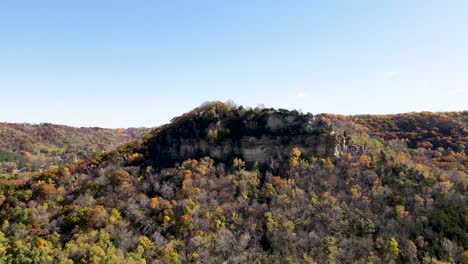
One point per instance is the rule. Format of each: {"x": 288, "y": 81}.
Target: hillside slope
{"x": 29, "y": 147}
{"x": 155, "y": 202}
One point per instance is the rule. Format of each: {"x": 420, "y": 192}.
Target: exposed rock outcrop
{"x": 253, "y": 135}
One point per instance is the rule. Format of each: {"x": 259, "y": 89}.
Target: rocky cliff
{"x": 224, "y": 132}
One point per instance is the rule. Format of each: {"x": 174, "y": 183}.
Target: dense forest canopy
{"x": 402, "y": 201}
{"x": 29, "y": 147}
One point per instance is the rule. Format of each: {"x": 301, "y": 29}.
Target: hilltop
{"x": 237, "y": 185}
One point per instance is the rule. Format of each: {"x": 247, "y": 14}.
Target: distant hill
{"x": 227, "y": 184}
{"x": 30, "y": 147}
{"x": 428, "y": 130}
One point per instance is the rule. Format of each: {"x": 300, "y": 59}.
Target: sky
{"x": 113, "y": 63}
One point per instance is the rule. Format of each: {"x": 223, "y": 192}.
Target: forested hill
{"x": 374, "y": 189}
{"x": 448, "y": 131}
{"x": 28, "y": 147}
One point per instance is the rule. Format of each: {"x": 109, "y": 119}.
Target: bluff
{"x": 223, "y": 132}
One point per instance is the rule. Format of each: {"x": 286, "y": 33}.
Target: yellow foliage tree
{"x": 41, "y": 243}
{"x": 195, "y": 256}
{"x": 365, "y": 161}
{"x": 294, "y": 157}
{"x": 115, "y": 216}
{"x": 328, "y": 163}
{"x": 154, "y": 202}
{"x": 400, "y": 211}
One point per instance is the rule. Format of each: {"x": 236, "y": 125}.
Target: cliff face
{"x": 253, "y": 135}
{"x": 259, "y": 149}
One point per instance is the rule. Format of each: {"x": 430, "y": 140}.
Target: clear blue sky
{"x": 139, "y": 63}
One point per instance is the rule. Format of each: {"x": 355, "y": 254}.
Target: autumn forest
{"x": 232, "y": 184}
